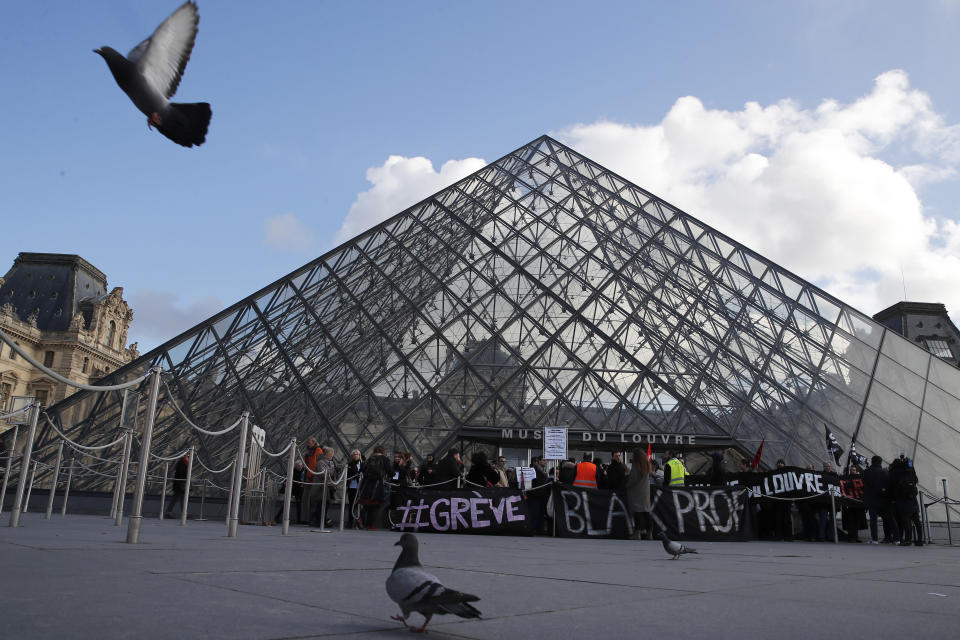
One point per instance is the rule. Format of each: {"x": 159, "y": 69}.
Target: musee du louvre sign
{"x": 586, "y": 438}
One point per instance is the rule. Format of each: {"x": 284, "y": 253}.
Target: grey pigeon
{"x": 673, "y": 548}
{"x": 151, "y": 73}
{"x": 416, "y": 590}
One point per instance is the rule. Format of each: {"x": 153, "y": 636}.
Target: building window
{"x": 48, "y": 358}
{"x": 111, "y": 334}
{"x": 938, "y": 347}
{"x": 86, "y": 365}
{"x": 13, "y": 354}
{"x": 5, "y": 390}
{"x": 40, "y": 395}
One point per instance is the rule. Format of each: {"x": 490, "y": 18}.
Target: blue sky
{"x": 327, "y": 110}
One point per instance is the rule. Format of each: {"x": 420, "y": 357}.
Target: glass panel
{"x": 944, "y": 375}
{"x": 900, "y": 380}
{"x": 894, "y": 409}
{"x": 938, "y": 436}
{"x": 941, "y": 404}
{"x": 904, "y": 353}
{"x": 878, "y": 437}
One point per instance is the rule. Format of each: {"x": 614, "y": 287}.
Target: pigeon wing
{"x": 162, "y": 57}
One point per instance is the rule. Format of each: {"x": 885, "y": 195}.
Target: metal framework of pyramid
{"x": 545, "y": 290}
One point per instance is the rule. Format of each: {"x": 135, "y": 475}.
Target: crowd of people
{"x": 374, "y": 485}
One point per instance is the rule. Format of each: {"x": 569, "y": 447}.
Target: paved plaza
{"x": 75, "y": 577}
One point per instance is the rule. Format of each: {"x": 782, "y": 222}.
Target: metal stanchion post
{"x": 136, "y": 513}
{"x": 203, "y": 499}
{"x": 33, "y": 477}
{"x": 6, "y": 472}
{"x": 288, "y": 489}
{"x": 121, "y": 487}
{"x": 163, "y": 489}
{"x": 946, "y": 506}
{"x": 323, "y": 502}
{"x": 343, "y": 496}
{"x": 233, "y": 476}
{"x": 238, "y": 478}
{"x": 56, "y": 477}
{"x": 24, "y": 465}
{"x": 186, "y": 488}
{"x": 66, "y": 491}
{"x": 833, "y": 517}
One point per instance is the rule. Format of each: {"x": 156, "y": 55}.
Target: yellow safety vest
{"x": 677, "y": 472}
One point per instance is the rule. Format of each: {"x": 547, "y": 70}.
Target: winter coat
{"x": 875, "y": 483}
{"x": 638, "y": 491}
{"x": 482, "y": 474}
{"x": 616, "y": 475}
{"x": 446, "y": 471}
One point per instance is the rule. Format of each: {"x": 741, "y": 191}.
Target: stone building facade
{"x": 57, "y": 308}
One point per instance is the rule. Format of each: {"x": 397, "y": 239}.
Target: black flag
{"x": 855, "y": 458}
{"x": 833, "y": 446}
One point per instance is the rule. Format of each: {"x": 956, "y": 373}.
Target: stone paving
{"x": 75, "y": 577}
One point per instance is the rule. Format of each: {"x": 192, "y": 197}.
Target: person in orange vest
{"x": 586, "y": 473}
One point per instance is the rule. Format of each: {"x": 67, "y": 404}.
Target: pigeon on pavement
{"x": 673, "y": 548}
{"x": 416, "y": 590}
{"x": 150, "y": 75}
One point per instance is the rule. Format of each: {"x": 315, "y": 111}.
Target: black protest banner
{"x": 492, "y": 510}
{"x": 685, "y": 513}
{"x": 796, "y": 483}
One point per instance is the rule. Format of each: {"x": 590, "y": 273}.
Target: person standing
{"x": 179, "y": 482}
{"x": 616, "y": 472}
{"x": 586, "y": 473}
{"x": 638, "y": 495}
{"x": 482, "y": 473}
{"x": 876, "y": 483}
{"x": 905, "y": 497}
{"x": 674, "y": 473}
{"x": 447, "y": 471}
{"x": 373, "y": 494}
{"x": 311, "y": 459}
{"x": 354, "y": 465}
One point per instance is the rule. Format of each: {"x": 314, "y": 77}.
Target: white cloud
{"x": 159, "y": 316}
{"x": 819, "y": 191}
{"x": 287, "y": 233}
{"x": 400, "y": 183}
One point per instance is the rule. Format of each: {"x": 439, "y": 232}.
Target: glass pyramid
{"x": 545, "y": 290}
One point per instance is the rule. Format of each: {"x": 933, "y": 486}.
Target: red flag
{"x": 649, "y": 452}
{"x": 756, "y": 458}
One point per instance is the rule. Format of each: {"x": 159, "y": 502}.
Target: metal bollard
{"x": 136, "y": 512}
{"x": 946, "y": 506}
{"x": 238, "y": 477}
{"x": 121, "y": 487}
{"x": 163, "y": 489}
{"x": 6, "y": 472}
{"x": 24, "y": 465}
{"x": 66, "y": 491}
{"x": 288, "y": 489}
{"x": 186, "y": 489}
{"x": 33, "y": 476}
{"x": 56, "y": 477}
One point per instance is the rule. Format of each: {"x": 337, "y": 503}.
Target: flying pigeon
{"x": 416, "y": 590}
{"x": 673, "y": 548}
{"x": 151, "y": 73}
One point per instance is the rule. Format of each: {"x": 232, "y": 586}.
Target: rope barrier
{"x": 189, "y": 422}
{"x": 175, "y": 456}
{"x": 279, "y": 453}
{"x": 17, "y": 412}
{"x": 94, "y": 471}
{"x": 102, "y": 460}
{"x": 56, "y": 376}
{"x": 200, "y": 462}
{"x": 76, "y": 445}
